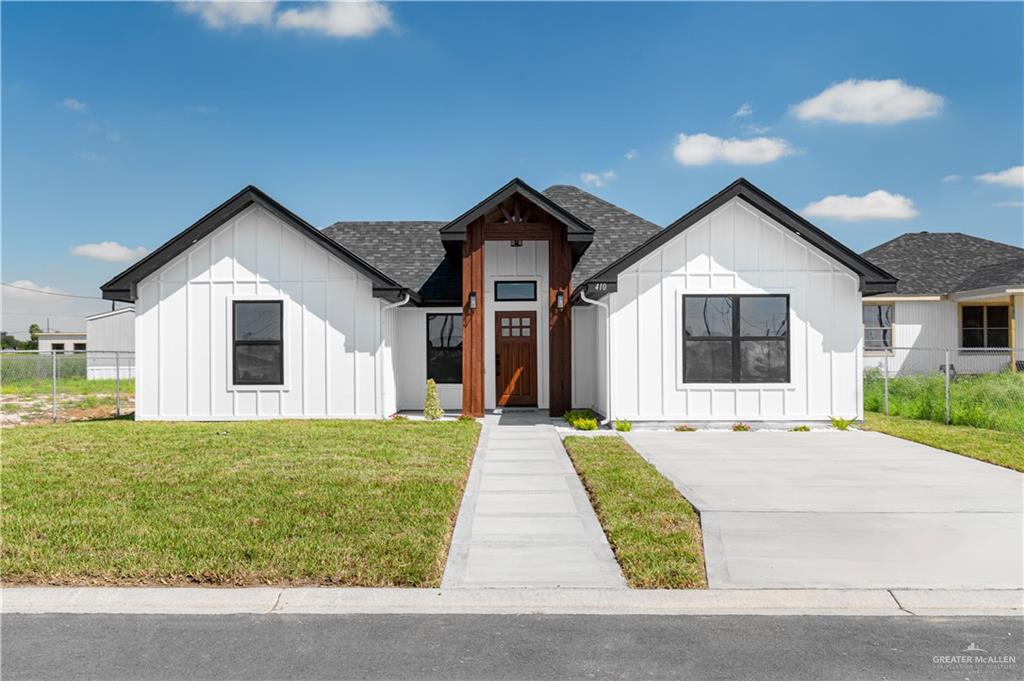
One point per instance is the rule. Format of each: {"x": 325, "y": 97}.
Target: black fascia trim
{"x": 123, "y": 283}
{"x": 871, "y": 276}
{"x": 456, "y": 229}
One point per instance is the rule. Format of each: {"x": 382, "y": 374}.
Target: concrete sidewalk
{"x": 331, "y": 600}
{"x": 525, "y": 519}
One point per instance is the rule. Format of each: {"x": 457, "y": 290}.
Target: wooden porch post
{"x": 560, "y": 322}
{"x": 473, "y": 321}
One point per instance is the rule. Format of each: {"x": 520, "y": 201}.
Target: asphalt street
{"x": 481, "y": 647}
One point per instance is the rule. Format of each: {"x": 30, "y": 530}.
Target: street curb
{"x": 337, "y": 601}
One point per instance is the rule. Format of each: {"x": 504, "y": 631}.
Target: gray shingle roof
{"x": 1005, "y": 273}
{"x": 616, "y": 230}
{"x": 411, "y": 252}
{"x": 937, "y": 263}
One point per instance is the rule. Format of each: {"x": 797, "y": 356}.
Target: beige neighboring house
{"x": 62, "y": 341}
{"x": 956, "y": 292}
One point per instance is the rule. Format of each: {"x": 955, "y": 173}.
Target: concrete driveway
{"x": 844, "y": 510}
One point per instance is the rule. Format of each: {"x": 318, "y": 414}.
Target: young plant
{"x": 623, "y": 425}
{"x": 683, "y": 428}
{"x": 740, "y": 428}
{"x": 800, "y": 429}
{"x": 585, "y": 424}
{"x": 432, "y": 403}
{"x": 841, "y": 424}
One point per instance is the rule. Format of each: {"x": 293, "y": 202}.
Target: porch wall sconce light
{"x": 472, "y": 300}
{"x": 516, "y": 244}
{"x": 560, "y": 300}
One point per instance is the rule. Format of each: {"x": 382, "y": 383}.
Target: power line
{"x": 51, "y": 293}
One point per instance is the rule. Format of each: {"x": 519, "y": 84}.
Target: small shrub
{"x": 399, "y": 417}
{"x": 463, "y": 417}
{"x": 841, "y": 424}
{"x": 432, "y": 403}
{"x": 623, "y": 425}
{"x": 585, "y": 424}
{"x": 581, "y": 419}
{"x": 683, "y": 428}
{"x": 800, "y": 429}
{"x": 740, "y": 428}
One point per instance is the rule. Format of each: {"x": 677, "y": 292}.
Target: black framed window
{"x": 444, "y": 348}
{"x": 257, "y": 343}
{"x": 79, "y": 347}
{"x": 57, "y": 347}
{"x": 515, "y": 290}
{"x": 878, "y": 326}
{"x": 985, "y": 326}
{"x": 736, "y": 339}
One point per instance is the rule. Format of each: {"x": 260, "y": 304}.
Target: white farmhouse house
{"x": 956, "y": 292}
{"x": 739, "y": 310}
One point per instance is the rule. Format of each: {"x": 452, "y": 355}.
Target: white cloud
{"x": 109, "y": 251}
{"x": 744, "y": 110}
{"x": 598, "y": 179}
{"x": 338, "y": 19}
{"x": 870, "y": 101}
{"x": 631, "y": 154}
{"x": 73, "y": 104}
{"x": 222, "y": 15}
{"x": 702, "y": 149}
{"x": 876, "y": 205}
{"x": 952, "y": 178}
{"x": 1011, "y": 177}
{"x": 755, "y": 129}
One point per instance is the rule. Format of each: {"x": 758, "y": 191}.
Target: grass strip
{"x": 653, "y": 530}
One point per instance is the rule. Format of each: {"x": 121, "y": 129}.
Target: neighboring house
{"x": 955, "y": 292}
{"x": 62, "y": 341}
{"x": 111, "y": 339}
{"x": 740, "y": 309}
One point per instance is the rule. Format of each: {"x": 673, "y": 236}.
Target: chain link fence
{"x": 66, "y": 386}
{"x": 963, "y": 386}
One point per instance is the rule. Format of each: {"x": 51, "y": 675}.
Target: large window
{"x": 878, "y": 327}
{"x": 444, "y": 348}
{"x": 735, "y": 339}
{"x": 258, "y": 357}
{"x": 515, "y": 290}
{"x": 985, "y": 326}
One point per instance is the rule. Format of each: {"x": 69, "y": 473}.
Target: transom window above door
{"x": 736, "y": 339}
{"x": 515, "y": 290}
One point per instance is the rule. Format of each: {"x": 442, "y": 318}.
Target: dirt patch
{"x": 18, "y": 410}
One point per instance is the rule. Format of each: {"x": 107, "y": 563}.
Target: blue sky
{"x": 125, "y": 122}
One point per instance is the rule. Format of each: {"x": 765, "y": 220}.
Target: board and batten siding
{"x": 334, "y": 358}
{"x": 734, "y": 251}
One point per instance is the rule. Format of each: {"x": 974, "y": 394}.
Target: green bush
{"x": 432, "y": 403}
{"x": 991, "y": 401}
{"x": 581, "y": 419}
{"x": 683, "y": 428}
{"x": 800, "y": 429}
{"x": 623, "y": 425}
{"x": 841, "y": 423}
{"x": 740, "y": 428}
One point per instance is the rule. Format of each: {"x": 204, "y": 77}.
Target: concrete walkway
{"x": 525, "y": 519}
{"x": 833, "y": 510}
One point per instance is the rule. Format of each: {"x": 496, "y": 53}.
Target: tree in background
{"x": 33, "y": 334}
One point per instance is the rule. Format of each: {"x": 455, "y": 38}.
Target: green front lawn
{"x": 1002, "y": 449}
{"x": 28, "y": 387}
{"x": 653, "y": 530}
{"x": 367, "y": 503}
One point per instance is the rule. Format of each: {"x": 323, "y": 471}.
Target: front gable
{"x": 780, "y": 221}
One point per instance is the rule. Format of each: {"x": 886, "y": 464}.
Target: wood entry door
{"x": 515, "y": 358}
